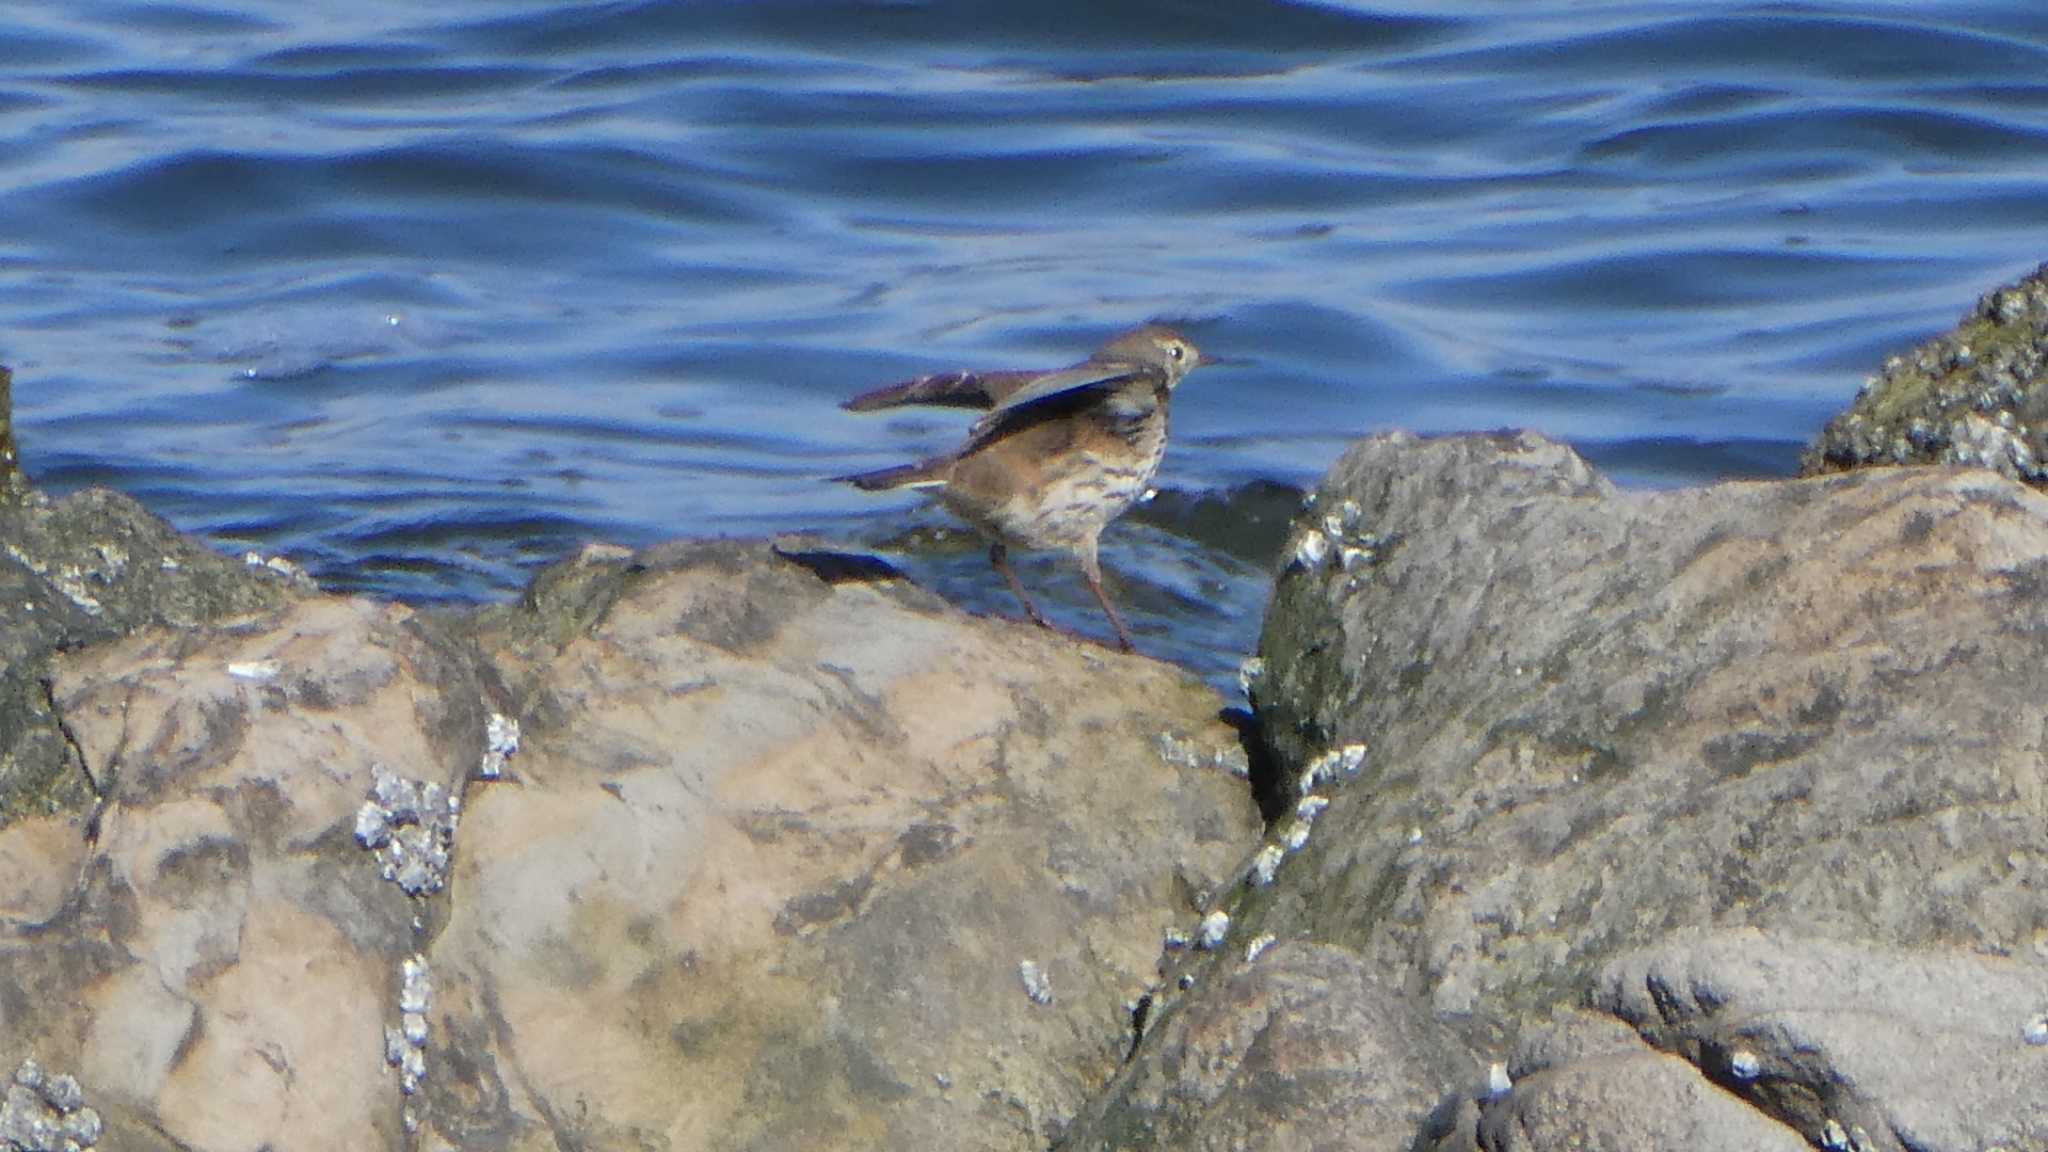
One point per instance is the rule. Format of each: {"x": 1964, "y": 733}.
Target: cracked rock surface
{"x": 1753, "y": 770}
{"x": 84, "y": 569}
{"x": 761, "y": 873}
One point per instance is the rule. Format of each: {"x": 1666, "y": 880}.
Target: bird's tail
{"x": 924, "y": 475}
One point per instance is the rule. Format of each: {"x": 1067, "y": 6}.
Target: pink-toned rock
{"x": 219, "y": 970}
{"x": 765, "y": 870}
{"x": 768, "y": 878}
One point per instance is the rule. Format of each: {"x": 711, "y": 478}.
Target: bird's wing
{"x": 1046, "y": 385}
{"x": 1042, "y": 398}
{"x": 944, "y": 389}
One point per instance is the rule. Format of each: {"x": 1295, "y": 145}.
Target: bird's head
{"x": 1155, "y": 346}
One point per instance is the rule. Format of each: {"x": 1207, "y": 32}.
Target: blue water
{"x": 423, "y": 295}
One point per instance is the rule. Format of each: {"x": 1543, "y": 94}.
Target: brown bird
{"x": 1059, "y": 455}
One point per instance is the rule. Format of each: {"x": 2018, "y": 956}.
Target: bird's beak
{"x": 1204, "y": 359}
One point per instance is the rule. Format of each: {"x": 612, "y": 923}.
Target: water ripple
{"x": 426, "y": 296}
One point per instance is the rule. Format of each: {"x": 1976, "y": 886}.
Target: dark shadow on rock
{"x": 1272, "y": 785}
{"x": 840, "y": 567}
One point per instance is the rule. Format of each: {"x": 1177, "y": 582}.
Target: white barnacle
{"x": 257, "y": 670}
{"x": 373, "y": 825}
{"x": 2036, "y": 1031}
{"x": 1498, "y": 1082}
{"x": 1250, "y": 673}
{"x": 82, "y": 1128}
{"x": 63, "y": 1093}
{"x": 501, "y": 742}
{"x": 1259, "y": 943}
{"x": 1266, "y": 864}
{"x": 1321, "y": 768}
{"x": 1311, "y": 806}
{"x": 501, "y": 732}
{"x": 1175, "y": 940}
{"x": 1744, "y": 1065}
{"x": 1215, "y": 926}
{"x": 415, "y": 984}
{"x": 412, "y": 1068}
{"x": 395, "y": 1045}
{"x": 1350, "y": 558}
{"x": 1350, "y": 759}
{"x": 1037, "y": 985}
{"x": 414, "y": 1026}
{"x": 1311, "y": 550}
{"x": 1293, "y": 835}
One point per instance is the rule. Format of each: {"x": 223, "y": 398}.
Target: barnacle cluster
{"x": 405, "y": 1046}
{"x": 501, "y": 743}
{"x": 410, "y": 825}
{"x": 45, "y": 1113}
{"x": 1975, "y": 395}
{"x": 1340, "y": 534}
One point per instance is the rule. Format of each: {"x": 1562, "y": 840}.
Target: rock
{"x": 1598, "y": 722}
{"x": 1299, "y": 1048}
{"x": 763, "y": 867}
{"x": 1636, "y": 1100}
{"x": 1976, "y": 395}
{"x": 1901, "y": 1049}
{"x": 13, "y": 485}
{"x": 218, "y": 968}
{"x": 788, "y": 842}
{"x": 87, "y": 568}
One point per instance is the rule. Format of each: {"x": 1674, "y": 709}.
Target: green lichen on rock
{"x": 13, "y": 485}
{"x": 86, "y": 568}
{"x": 1977, "y": 395}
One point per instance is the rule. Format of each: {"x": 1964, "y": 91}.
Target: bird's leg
{"x": 1092, "y": 569}
{"x": 1000, "y": 557}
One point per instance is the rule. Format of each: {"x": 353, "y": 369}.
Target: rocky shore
{"x": 1567, "y": 817}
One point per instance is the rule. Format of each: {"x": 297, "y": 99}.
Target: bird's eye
{"x": 1179, "y": 351}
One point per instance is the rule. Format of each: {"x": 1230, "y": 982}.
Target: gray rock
{"x": 1627, "y": 1102}
{"x": 1922, "y": 1050}
{"x": 1300, "y": 1049}
{"x": 1598, "y": 721}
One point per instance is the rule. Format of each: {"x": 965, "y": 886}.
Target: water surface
{"x": 425, "y": 295}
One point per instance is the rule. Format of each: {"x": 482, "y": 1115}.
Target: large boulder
{"x": 719, "y": 846}
{"x": 1586, "y": 727}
